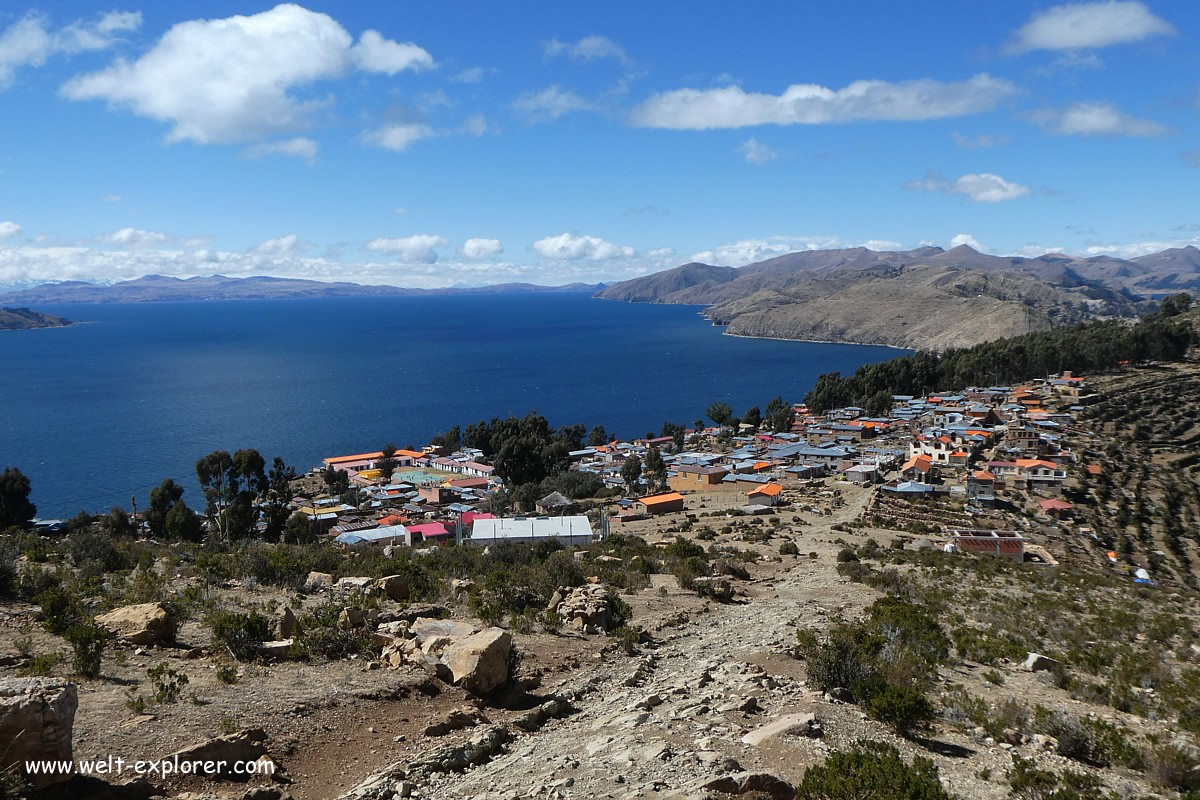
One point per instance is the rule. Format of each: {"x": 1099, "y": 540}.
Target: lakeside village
{"x": 968, "y": 471}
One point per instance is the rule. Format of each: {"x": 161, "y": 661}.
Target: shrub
{"x": 628, "y": 637}
{"x": 87, "y": 641}
{"x": 1173, "y": 767}
{"x": 239, "y": 633}
{"x": 875, "y": 770}
{"x": 847, "y": 554}
{"x": 789, "y": 548}
{"x": 61, "y": 607}
{"x": 227, "y": 674}
{"x": 1029, "y": 783}
{"x": 166, "y": 681}
{"x": 41, "y": 666}
{"x": 321, "y": 636}
{"x": 905, "y": 708}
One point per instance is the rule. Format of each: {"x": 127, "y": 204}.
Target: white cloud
{"x": 481, "y": 248}
{"x": 746, "y": 251}
{"x": 969, "y": 241}
{"x": 134, "y": 237}
{"x": 1191, "y": 158}
{"x": 298, "y": 147}
{"x": 113, "y": 198}
{"x": 237, "y": 78}
{"x": 979, "y": 141}
{"x": 283, "y": 247}
{"x": 397, "y": 136}
{"x": 470, "y": 75}
{"x": 588, "y": 48}
{"x": 756, "y": 152}
{"x": 1077, "y": 26}
{"x": 1034, "y": 250}
{"x": 419, "y": 247}
{"x": 810, "y": 104}
{"x": 882, "y": 244}
{"x": 29, "y": 42}
{"x": 550, "y": 103}
{"x": 982, "y": 187}
{"x": 475, "y": 125}
{"x": 9, "y": 229}
{"x": 569, "y": 247}
{"x": 1095, "y": 119}
{"x": 1135, "y": 249}
{"x": 373, "y": 53}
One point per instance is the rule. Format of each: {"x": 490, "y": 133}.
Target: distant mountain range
{"x": 152, "y": 288}
{"x": 23, "y": 319}
{"x": 923, "y": 298}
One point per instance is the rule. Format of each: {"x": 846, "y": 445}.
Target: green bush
{"x": 874, "y": 770}
{"x": 87, "y": 641}
{"x": 166, "y": 681}
{"x": 905, "y": 708}
{"x": 789, "y": 548}
{"x": 62, "y": 608}
{"x": 41, "y": 666}
{"x": 239, "y": 633}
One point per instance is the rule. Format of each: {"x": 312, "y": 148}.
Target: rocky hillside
{"x": 21, "y": 319}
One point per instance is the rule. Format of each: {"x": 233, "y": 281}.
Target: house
{"x": 918, "y": 469}
{"x": 862, "y": 474}
{"x": 385, "y": 535}
{"x": 1056, "y": 508}
{"x": 435, "y": 495}
{"x": 768, "y": 495}
{"x": 660, "y": 503}
{"x": 1040, "y": 475}
{"x": 1009, "y": 544}
{"x": 554, "y": 503}
{"x": 429, "y": 531}
{"x": 572, "y": 531}
{"x": 981, "y": 488}
{"x": 696, "y": 478}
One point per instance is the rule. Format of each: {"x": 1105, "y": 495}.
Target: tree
{"x": 117, "y": 523}
{"x": 598, "y": 437}
{"x": 386, "y": 464}
{"x": 162, "y": 498}
{"x": 278, "y": 497}
{"x": 299, "y": 529}
{"x": 15, "y": 508}
{"x": 655, "y": 469}
{"x": 631, "y": 471}
{"x": 337, "y": 481}
{"x": 182, "y": 524}
{"x": 753, "y": 417}
{"x": 232, "y": 485}
{"x": 779, "y": 415}
{"x": 720, "y": 413}
{"x": 451, "y": 440}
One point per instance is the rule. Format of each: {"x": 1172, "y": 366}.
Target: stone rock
{"x": 733, "y": 569}
{"x": 142, "y": 624}
{"x": 318, "y": 582}
{"x": 718, "y": 589}
{"x": 479, "y": 662}
{"x": 461, "y": 585}
{"x": 246, "y": 746}
{"x": 352, "y": 585}
{"x": 585, "y": 607}
{"x": 432, "y": 635}
{"x": 1013, "y": 736}
{"x": 457, "y": 720}
{"x": 762, "y": 783}
{"x": 37, "y": 716}
{"x": 285, "y": 623}
{"x": 276, "y": 650}
{"x": 416, "y": 611}
{"x": 1036, "y": 662}
{"x": 789, "y": 725}
{"x": 351, "y": 618}
{"x": 394, "y": 587}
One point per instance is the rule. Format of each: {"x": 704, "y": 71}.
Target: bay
{"x": 103, "y": 410}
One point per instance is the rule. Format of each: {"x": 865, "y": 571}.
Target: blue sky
{"x": 462, "y": 144}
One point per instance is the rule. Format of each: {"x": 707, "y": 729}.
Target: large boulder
{"x": 36, "y": 720}
{"x": 317, "y": 582}
{"x": 142, "y": 624}
{"x": 479, "y": 662}
{"x": 788, "y": 725}
{"x": 433, "y": 635}
{"x": 244, "y": 747}
{"x": 285, "y": 623}
{"x": 757, "y": 783}
{"x": 394, "y": 587}
{"x": 1036, "y": 662}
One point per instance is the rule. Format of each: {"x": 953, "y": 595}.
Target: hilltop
{"x": 22, "y": 319}
{"x": 924, "y": 298}
{"x": 157, "y": 288}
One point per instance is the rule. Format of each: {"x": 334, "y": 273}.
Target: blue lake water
{"x": 106, "y": 409}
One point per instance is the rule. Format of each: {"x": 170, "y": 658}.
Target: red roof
{"x": 1054, "y": 504}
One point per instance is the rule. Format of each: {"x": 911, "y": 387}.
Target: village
{"x": 976, "y": 470}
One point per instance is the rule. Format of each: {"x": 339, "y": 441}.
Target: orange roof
{"x": 1035, "y": 462}
{"x": 658, "y": 499}
{"x": 411, "y": 454}
{"x": 762, "y": 464}
{"x": 921, "y": 462}
{"x": 770, "y": 490}
{"x": 983, "y": 475}
{"x": 1095, "y": 469}
{"x": 358, "y": 457}
{"x": 959, "y": 454}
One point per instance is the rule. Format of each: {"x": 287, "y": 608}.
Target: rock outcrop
{"x": 37, "y": 716}
{"x": 142, "y": 624}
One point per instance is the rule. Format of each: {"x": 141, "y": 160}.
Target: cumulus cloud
{"x": 756, "y": 152}
{"x": 419, "y": 247}
{"x": 134, "y": 237}
{"x": 237, "y": 78}
{"x": 979, "y": 141}
{"x": 810, "y": 104}
{"x": 589, "y": 48}
{"x": 397, "y": 136}
{"x": 1078, "y": 26}
{"x": 476, "y": 125}
{"x": 374, "y": 53}
{"x": 550, "y": 103}
{"x": 297, "y": 147}
{"x": 1095, "y": 119}
{"x": 30, "y": 41}
{"x": 982, "y": 187}
{"x": 969, "y": 241}
{"x": 1135, "y": 249}
{"x": 476, "y": 248}
{"x": 8, "y": 229}
{"x": 469, "y": 75}
{"x": 569, "y": 247}
{"x": 283, "y": 247}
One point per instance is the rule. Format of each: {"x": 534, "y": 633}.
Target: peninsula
{"x": 23, "y": 319}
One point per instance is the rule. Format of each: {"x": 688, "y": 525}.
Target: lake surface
{"x": 106, "y": 409}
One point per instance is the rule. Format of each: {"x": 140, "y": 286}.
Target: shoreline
{"x": 818, "y": 341}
